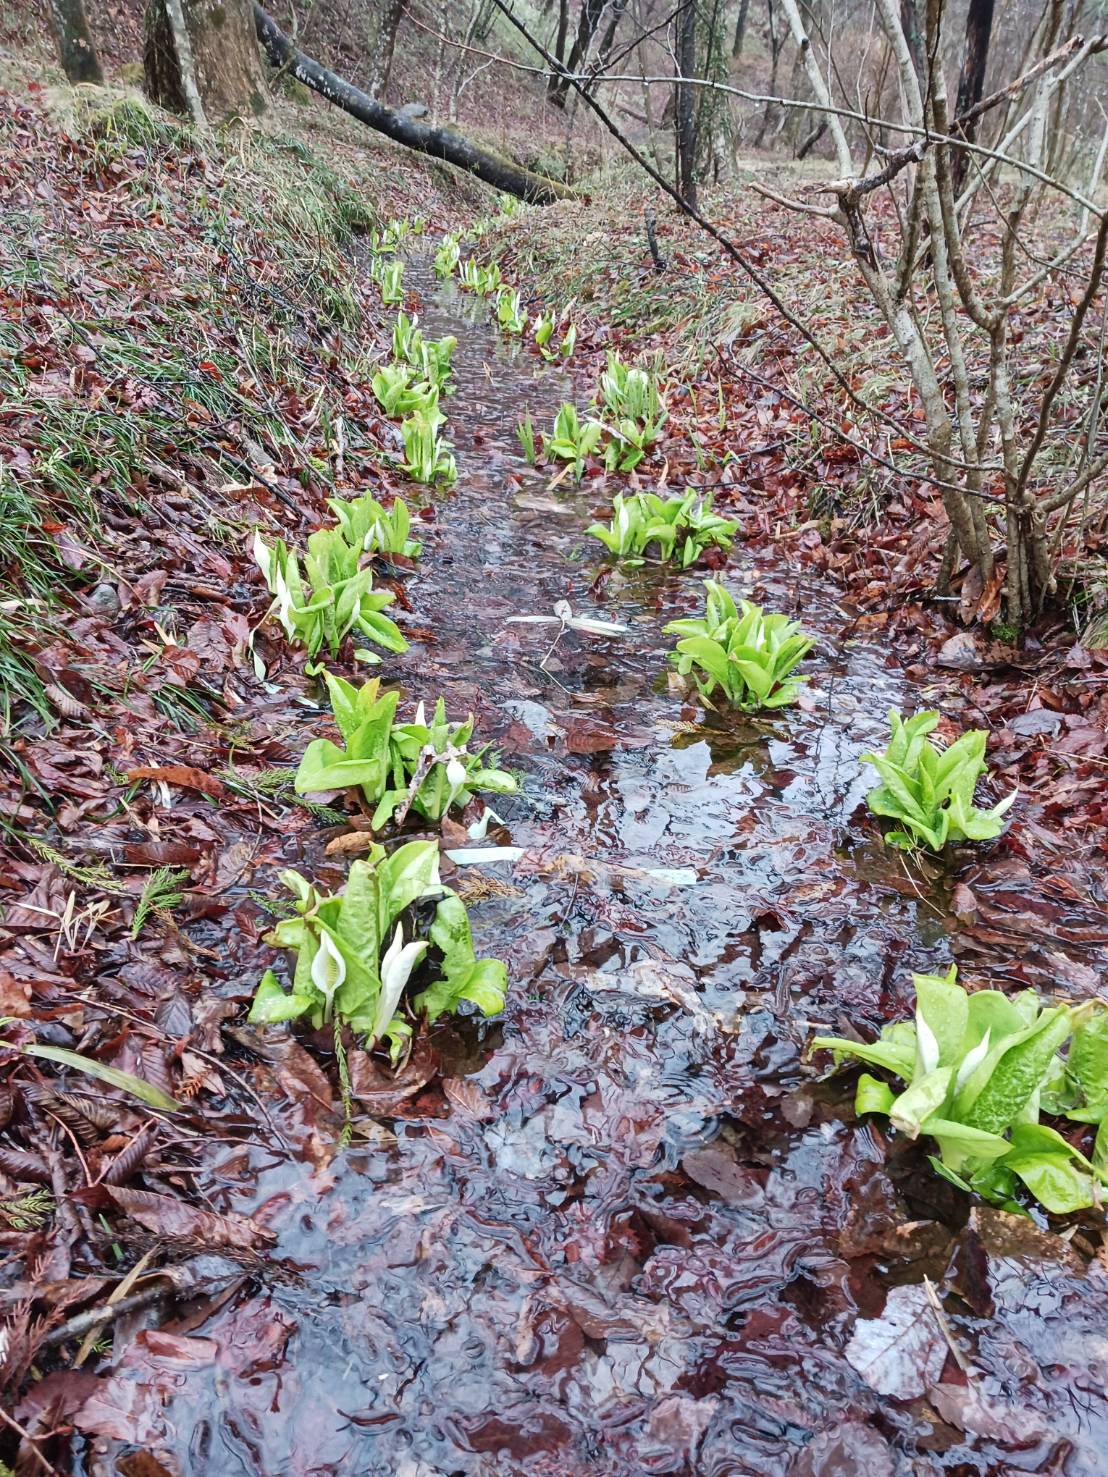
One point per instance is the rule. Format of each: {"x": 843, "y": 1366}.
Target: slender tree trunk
{"x": 740, "y": 28}
{"x": 685, "y": 106}
{"x": 224, "y": 52}
{"x": 589, "y": 19}
{"x": 971, "y": 79}
{"x": 909, "y": 21}
{"x": 76, "y": 51}
{"x": 554, "y": 87}
{"x": 605, "y": 50}
{"x": 391, "y": 14}
{"x": 183, "y": 47}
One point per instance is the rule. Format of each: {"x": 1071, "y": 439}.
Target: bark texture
{"x": 228, "y": 68}
{"x": 685, "y": 109}
{"x": 971, "y": 80}
{"x": 391, "y": 13}
{"x": 76, "y": 51}
{"x": 439, "y": 143}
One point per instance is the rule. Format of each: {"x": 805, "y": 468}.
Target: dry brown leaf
{"x": 180, "y": 774}
{"x": 167, "y": 1216}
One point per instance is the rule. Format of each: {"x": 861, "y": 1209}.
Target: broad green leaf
{"x": 272, "y": 1004}
{"x": 1011, "y": 1080}
{"x": 922, "y": 1100}
{"x": 1087, "y": 1061}
{"x": 1054, "y": 1180}
{"x": 944, "y": 1006}
{"x": 877, "y": 1053}
{"x": 872, "y": 1095}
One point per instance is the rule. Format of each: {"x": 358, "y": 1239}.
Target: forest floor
{"x": 625, "y": 1227}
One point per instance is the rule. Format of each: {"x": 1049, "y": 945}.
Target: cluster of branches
{"x": 946, "y": 233}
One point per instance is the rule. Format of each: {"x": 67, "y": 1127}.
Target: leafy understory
{"x": 979, "y": 1070}
{"x": 673, "y": 528}
{"x": 423, "y": 766}
{"x": 928, "y": 791}
{"x": 365, "y": 958}
{"x": 740, "y": 653}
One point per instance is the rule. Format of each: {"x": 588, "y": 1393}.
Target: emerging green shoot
{"x": 391, "y": 282}
{"x": 979, "y": 1068}
{"x": 674, "y": 528}
{"x": 526, "y": 433}
{"x": 420, "y": 766}
{"x": 447, "y": 257}
{"x": 430, "y": 359}
{"x": 428, "y": 458}
{"x": 374, "y": 529}
{"x": 399, "y": 393}
{"x": 333, "y": 596}
{"x": 928, "y": 791}
{"x": 742, "y": 652}
{"x": 510, "y": 313}
{"x": 481, "y": 280}
{"x": 359, "y": 950}
{"x": 632, "y": 393}
{"x": 573, "y": 439}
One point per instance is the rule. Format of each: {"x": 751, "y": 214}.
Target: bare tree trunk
{"x": 740, "y": 28}
{"x": 589, "y": 19}
{"x": 224, "y": 51}
{"x": 909, "y": 21}
{"x": 684, "y": 108}
{"x": 776, "y": 44}
{"x": 183, "y": 47}
{"x": 76, "y": 51}
{"x": 971, "y": 79}
{"x": 391, "y": 14}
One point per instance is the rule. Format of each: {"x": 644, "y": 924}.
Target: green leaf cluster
{"x": 979, "y": 1069}
{"x": 630, "y": 391}
{"x": 432, "y": 359}
{"x": 633, "y": 400}
{"x": 389, "y": 276}
{"x": 428, "y": 457}
{"x": 478, "y": 279}
{"x": 425, "y": 765}
{"x": 510, "y": 312}
{"x": 929, "y": 791}
{"x": 543, "y": 330}
{"x": 369, "y": 526}
{"x": 400, "y": 393}
{"x": 447, "y": 257}
{"x": 676, "y": 528}
{"x": 740, "y": 651}
{"x": 332, "y": 596}
{"x": 358, "y": 949}
{"x": 573, "y": 439}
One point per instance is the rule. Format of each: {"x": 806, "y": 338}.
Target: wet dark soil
{"x": 625, "y": 1229}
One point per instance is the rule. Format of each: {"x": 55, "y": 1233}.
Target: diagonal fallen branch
{"x": 439, "y": 143}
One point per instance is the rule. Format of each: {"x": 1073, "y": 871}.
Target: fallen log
{"x": 439, "y": 143}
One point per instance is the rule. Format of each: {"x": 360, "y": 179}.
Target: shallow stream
{"x": 624, "y": 1230}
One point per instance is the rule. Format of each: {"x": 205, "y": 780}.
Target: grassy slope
{"x": 175, "y": 319}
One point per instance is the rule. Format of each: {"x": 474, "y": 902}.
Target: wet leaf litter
{"x": 622, "y": 1228}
